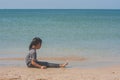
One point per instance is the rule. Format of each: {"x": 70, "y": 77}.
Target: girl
{"x": 31, "y": 58}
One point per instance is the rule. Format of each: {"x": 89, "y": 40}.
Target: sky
{"x": 59, "y": 4}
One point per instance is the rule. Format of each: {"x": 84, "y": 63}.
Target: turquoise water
{"x": 87, "y": 33}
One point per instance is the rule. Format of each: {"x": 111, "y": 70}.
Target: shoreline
{"x": 70, "y": 58}
{"x": 24, "y": 73}
{"x": 74, "y": 62}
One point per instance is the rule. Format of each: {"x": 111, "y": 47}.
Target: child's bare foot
{"x": 63, "y": 65}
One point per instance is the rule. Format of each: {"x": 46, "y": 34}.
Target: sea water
{"x": 93, "y": 34}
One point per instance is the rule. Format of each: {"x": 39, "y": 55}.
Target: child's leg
{"x": 53, "y": 65}
{"x": 50, "y": 65}
{"x": 42, "y": 63}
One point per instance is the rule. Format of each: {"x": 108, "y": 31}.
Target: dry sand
{"x": 24, "y": 73}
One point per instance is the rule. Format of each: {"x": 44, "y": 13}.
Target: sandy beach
{"x": 111, "y": 72}
{"x": 24, "y": 73}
